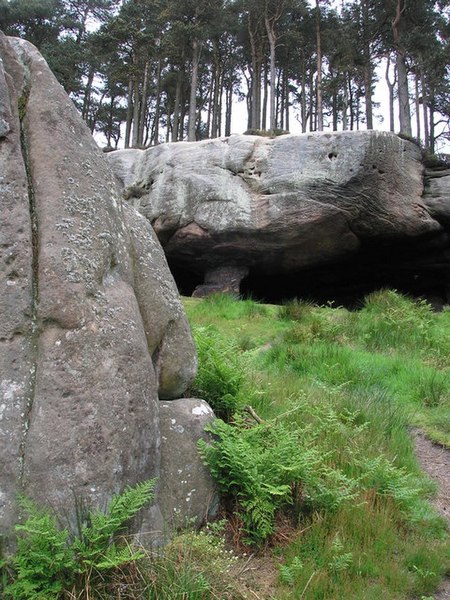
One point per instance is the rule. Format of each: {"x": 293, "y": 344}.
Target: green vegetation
{"x": 155, "y": 44}
{"x": 194, "y": 566}
{"x": 312, "y": 455}
{"x": 325, "y": 449}
{"x": 51, "y": 563}
{"x": 22, "y": 104}
{"x": 102, "y": 563}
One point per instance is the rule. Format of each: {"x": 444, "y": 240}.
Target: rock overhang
{"x": 285, "y": 205}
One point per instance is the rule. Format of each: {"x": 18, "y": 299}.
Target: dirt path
{"x": 435, "y": 460}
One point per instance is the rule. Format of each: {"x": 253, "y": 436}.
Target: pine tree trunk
{"x": 144, "y": 98}
{"x": 417, "y": 101}
{"x": 368, "y": 74}
{"x": 286, "y": 100}
{"x": 182, "y": 128}
{"x": 110, "y": 122}
{"x": 176, "y": 108}
{"x": 431, "y": 106}
{"x": 87, "y": 94}
{"x": 256, "y": 71}
{"x": 257, "y": 99}
{"x": 279, "y": 110}
{"x": 303, "y": 110}
{"x": 155, "y": 136}
{"x": 265, "y": 100}
{"x": 209, "y": 117}
{"x": 404, "y": 113}
{"x": 136, "y": 112}
{"x": 368, "y": 95}
{"x": 357, "y": 112}
{"x": 335, "y": 112}
{"x": 193, "y": 95}
{"x": 402, "y": 73}
{"x": 345, "y": 104}
{"x": 220, "y": 108}
{"x": 129, "y": 113}
{"x": 216, "y": 104}
{"x": 272, "y": 41}
{"x": 228, "y": 109}
{"x": 249, "y": 97}
{"x": 312, "y": 106}
{"x": 319, "y": 111}
{"x": 351, "y": 104}
{"x": 391, "y": 87}
{"x": 425, "y": 108}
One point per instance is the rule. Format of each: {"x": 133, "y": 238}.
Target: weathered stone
{"x": 92, "y": 332}
{"x": 281, "y": 206}
{"x": 187, "y": 491}
{"x": 16, "y": 294}
{"x": 437, "y": 198}
{"x": 224, "y": 280}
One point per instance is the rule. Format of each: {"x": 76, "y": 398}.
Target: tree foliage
{"x": 155, "y": 70}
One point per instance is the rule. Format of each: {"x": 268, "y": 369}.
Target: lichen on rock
{"x": 92, "y": 331}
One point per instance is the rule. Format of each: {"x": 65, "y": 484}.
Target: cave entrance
{"x": 344, "y": 283}
{"x": 348, "y": 283}
{"x": 277, "y": 290}
{"x": 186, "y": 279}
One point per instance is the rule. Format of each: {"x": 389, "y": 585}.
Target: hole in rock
{"x": 185, "y": 278}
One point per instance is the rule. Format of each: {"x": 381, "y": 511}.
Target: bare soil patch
{"x": 435, "y": 460}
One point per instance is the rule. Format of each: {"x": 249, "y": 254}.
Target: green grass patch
{"x": 334, "y": 392}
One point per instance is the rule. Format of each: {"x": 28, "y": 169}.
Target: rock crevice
{"x": 34, "y": 328}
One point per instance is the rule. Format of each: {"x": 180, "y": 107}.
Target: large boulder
{"x": 92, "y": 331}
{"x": 281, "y": 207}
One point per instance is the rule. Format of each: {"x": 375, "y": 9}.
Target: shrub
{"x": 295, "y": 310}
{"x": 390, "y": 320}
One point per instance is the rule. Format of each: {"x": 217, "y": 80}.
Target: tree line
{"x": 146, "y": 71}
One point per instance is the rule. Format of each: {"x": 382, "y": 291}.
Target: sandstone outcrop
{"x": 296, "y": 207}
{"x": 92, "y": 332}
{"x": 437, "y": 196}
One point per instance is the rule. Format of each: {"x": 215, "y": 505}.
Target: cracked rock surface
{"x": 92, "y": 332}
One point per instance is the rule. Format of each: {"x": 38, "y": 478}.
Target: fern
{"x": 288, "y": 573}
{"x": 48, "y": 562}
{"x": 259, "y": 467}
{"x": 219, "y": 377}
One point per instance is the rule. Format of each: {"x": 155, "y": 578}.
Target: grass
{"x": 392, "y": 346}
{"x": 351, "y": 384}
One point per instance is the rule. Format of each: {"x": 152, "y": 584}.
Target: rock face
{"x": 92, "y": 332}
{"x": 183, "y": 479}
{"x": 277, "y": 208}
{"x": 437, "y": 196}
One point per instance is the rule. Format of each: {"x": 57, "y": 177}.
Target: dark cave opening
{"x": 335, "y": 288}
{"x": 186, "y": 279}
{"x": 410, "y": 271}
